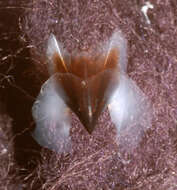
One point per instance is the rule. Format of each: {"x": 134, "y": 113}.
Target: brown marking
{"x": 112, "y": 58}
{"x": 85, "y": 67}
{"x": 59, "y": 64}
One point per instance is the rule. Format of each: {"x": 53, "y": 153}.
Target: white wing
{"x": 52, "y": 119}
{"x": 118, "y": 42}
{"x": 55, "y": 48}
{"x": 130, "y": 111}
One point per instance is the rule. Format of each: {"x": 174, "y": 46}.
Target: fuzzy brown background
{"x": 95, "y": 161}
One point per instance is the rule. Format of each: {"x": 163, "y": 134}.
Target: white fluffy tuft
{"x": 52, "y": 118}
{"x": 130, "y": 111}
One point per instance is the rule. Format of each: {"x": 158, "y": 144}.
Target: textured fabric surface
{"x": 96, "y": 162}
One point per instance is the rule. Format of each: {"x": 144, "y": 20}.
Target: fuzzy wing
{"x": 55, "y": 56}
{"x": 116, "y": 52}
{"x": 130, "y": 110}
{"x": 52, "y": 119}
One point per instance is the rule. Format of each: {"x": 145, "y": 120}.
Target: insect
{"x": 86, "y": 84}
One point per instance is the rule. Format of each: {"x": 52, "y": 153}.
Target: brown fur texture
{"x": 95, "y": 161}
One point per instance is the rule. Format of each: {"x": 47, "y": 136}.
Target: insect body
{"x": 85, "y": 84}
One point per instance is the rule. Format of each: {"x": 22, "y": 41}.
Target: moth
{"x": 86, "y": 84}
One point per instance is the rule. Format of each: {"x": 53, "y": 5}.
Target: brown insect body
{"x": 86, "y": 84}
